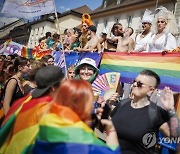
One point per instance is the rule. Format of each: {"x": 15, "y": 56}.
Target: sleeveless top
{"x": 17, "y": 92}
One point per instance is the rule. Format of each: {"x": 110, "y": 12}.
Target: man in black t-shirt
{"x": 137, "y": 132}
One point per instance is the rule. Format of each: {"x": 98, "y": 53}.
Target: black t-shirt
{"x": 132, "y": 124}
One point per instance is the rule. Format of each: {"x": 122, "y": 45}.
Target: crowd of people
{"x": 55, "y": 112}
{"x": 157, "y": 35}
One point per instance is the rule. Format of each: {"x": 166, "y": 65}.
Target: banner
{"x": 73, "y": 58}
{"x": 129, "y": 65}
{"x": 10, "y": 48}
{"x": 28, "y": 9}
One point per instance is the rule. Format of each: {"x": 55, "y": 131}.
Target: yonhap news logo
{"x": 150, "y": 139}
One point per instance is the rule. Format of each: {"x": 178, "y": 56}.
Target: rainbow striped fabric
{"x": 62, "y": 131}
{"x": 20, "y": 126}
{"x": 27, "y": 52}
{"x": 129, "y": 65}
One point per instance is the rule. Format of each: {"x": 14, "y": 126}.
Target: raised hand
{"x": 167, "y": 99}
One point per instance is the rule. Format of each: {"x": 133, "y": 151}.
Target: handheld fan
{"x": 106, "y": 84}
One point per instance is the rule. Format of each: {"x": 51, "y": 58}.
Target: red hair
{"x": 77, "y": 95}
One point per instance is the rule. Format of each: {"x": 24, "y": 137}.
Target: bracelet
{"x": 171, "y": 113}
{"x": 109, "y": 131}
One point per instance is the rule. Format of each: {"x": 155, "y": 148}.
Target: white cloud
{"x": 67, "y": 9}
{"x": 6, "y": 20}
{"x": 63, "y": 8}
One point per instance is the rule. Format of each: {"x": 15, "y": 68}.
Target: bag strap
{"x": 152, "y": 114}
{"x": 166, "y": 39}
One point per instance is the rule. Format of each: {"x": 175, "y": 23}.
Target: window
{"x": 118, "y": 2}
{"x": 116, "y": 19}
{"x": 105, "y": 4}
{"x": 105, "y": 23}
{"x": 32, "y": 32}
{"x": 142, "y": 13}
{"x": 37, "y": 31}
{"x": 129, "y": 21}
{"x": 42, "y": 30}
{"x": 96, "y": 23}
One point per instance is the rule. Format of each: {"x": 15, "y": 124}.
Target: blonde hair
{"x": 169, "y": 18}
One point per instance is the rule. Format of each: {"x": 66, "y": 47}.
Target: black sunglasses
{"x": 140, "y": 84}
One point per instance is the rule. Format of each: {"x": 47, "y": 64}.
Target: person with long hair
{"x": 68, "y": 118}
{"x": 13, "y": 88}
{"x": 164, "y": 29}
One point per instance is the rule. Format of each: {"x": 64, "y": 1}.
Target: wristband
{"x": 171, "y": 113}
{"x": 109, "y": 131}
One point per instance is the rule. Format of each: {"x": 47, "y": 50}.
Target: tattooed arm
{"x": 171, "y": 128}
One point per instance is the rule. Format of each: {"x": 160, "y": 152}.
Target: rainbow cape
{"x": 62, "y": 131}
{"x": 20, "y": 126}
{"x": 129, "y": 65}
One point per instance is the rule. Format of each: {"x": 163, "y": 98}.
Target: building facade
{"x": 7, "y": 30}
{"x": 48, "y": 23}
{"x": 127, "y": 12}
{"x": 39, "y": 29}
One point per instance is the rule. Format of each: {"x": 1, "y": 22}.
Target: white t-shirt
{"x": 166, "y": 41}
{"x": 141, "y": 43}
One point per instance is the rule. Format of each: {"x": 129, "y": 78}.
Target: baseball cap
{"x": 45, "y": 78}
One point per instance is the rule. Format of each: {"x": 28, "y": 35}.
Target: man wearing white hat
{"x": 143, "y": 38}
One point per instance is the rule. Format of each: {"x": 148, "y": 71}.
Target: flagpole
{"x": 58, "y": 28}
{"x": 57, "y": 20}
{"x": 156, "y": 4}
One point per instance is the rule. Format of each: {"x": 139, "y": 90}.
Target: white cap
{"x": 148, "y": 16}
{"x": 88, "y": 61}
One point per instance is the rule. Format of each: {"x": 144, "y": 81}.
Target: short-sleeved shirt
{"x": 132, "y": 124}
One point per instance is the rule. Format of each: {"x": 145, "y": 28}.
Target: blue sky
{"x": 61, "y": 6}
{"x": 64, "y": 5}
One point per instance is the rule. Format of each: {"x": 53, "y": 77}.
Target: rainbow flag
{"x": 129, "y": 65}
{"x": 27, "y": 52}
{"x": 62, "y": 131}
{"x": 20, "y": 126}
{"x": 39, "y": 53}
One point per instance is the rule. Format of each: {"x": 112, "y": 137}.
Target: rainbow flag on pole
{"x": 129, "y": 65}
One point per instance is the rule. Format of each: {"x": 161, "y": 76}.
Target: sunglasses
{"x": 144, "y": 23}
{"x": 139, "y": 84}
{"x": 161, "y": 22}
{"x": 71, "y": 72}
